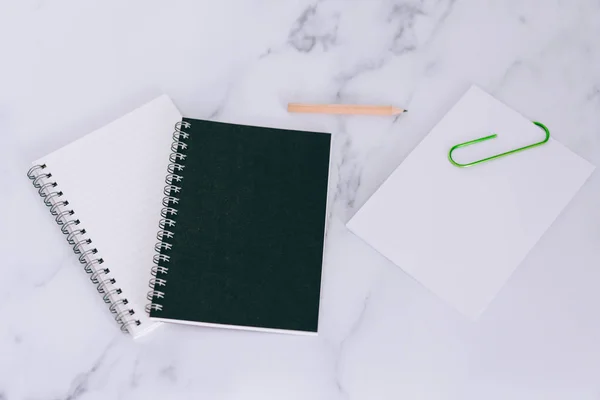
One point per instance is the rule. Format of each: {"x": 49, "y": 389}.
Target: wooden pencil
{"x": 347, "y": 109}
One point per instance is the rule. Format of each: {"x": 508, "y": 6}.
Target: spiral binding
{"x": 82, "y": 246}
{"x": 159, "y": 271}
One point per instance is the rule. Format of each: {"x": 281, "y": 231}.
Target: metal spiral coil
{"x": 114, "y": 305}
{"x": 111, "y": 293}
{"x": 155, "y": 293}
{"x": 173, "y": 177}
{"x": 77, "y": 248}
{"x": 162, "y": 246}
{"x": 54, "y": 208}
{"x": 76, "y": 237}
{"x": 155, "y": 270}
{"x": 48, "y": 199}
{"x": 167, "y": 211}
{"x": 168, "y": 201}
{"x": 171, "y": 190}
{"x": 166, "y": 222}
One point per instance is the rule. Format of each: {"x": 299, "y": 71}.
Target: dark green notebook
{"x": 242, "y": 228}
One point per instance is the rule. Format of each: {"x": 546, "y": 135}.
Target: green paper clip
{"x": 483, "y": 139}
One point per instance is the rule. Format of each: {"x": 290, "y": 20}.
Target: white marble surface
{"x": 71, "y": 66}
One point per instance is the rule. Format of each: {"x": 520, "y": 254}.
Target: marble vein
{"x": 354, "y": 329}
{"x": 444, "y": 15}
{"x": 350, "y": 173}
{"x": 310, "y": 30}
{"x": 46, "y": 279}
{"x": 80, "y": 385}
{"x": 135, "y": 375}
{"x": 403, "y": 15}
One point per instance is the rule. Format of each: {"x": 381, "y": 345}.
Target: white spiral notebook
{"x": 108, "y": 210}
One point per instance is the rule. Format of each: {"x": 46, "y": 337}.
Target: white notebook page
{"x": 461, "y": 232}
{"x": 113, "y": 179}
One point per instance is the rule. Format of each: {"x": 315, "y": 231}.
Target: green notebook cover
{"x": 243, "y": 227}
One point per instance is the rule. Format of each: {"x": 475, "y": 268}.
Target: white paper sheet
{"x": 461, "y": 232}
